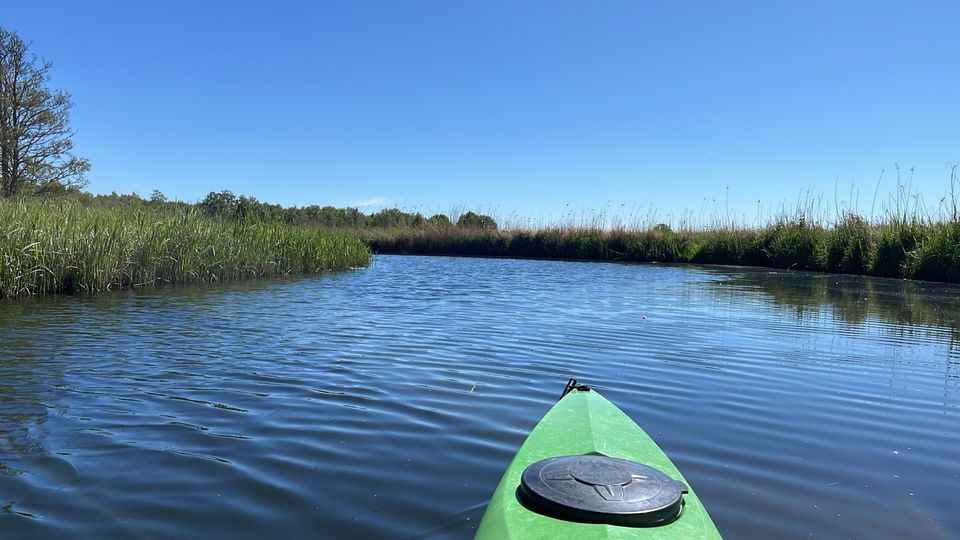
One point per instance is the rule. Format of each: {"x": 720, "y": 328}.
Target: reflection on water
{"x": 902, "y": 305}
{"x": 897, "y": 312}
{"x": 901, "y": 312}
{"x": 386, "y": 402}
{"x": 25, "y": 405}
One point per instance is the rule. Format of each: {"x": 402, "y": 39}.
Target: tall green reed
{"x": 906, "y": 244}
{"x": 51, "y": 246}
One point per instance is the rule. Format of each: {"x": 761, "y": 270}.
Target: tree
{"x": 35, "y": 135}
{"x": 222, "y": 205}
{"x": 394, "y": 217}
{"x": 157, "y": 198}
{"x": 472, "y": 220}
{"x": 439, "y": 220}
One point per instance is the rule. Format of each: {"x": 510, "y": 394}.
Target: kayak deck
{"x": 584, "y": 422}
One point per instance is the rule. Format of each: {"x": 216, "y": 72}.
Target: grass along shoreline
{"x": 900, "y": 248}
{"x": 76, "y": 243}
{"x": 62, "y": 246}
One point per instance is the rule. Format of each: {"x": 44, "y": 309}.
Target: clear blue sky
{"x": 520, "y": 108}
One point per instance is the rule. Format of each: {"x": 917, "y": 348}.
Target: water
{"x": 386, "y": 402}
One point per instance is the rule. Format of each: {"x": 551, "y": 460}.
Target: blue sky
{"x": 533, "y": 109}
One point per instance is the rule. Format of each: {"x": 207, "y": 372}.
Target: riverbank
{"x": 900, "y": 248}
{"x": 63, "y": 246}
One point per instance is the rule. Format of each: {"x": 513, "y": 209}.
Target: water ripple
{"x": 385, "y": 403}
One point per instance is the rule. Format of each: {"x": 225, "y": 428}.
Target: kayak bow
{"x": 588, "y": 471}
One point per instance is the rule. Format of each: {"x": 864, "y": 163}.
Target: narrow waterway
{"x": 386, "y": 402}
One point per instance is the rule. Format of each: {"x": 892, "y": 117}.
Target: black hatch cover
{"x": 601, "y": 489}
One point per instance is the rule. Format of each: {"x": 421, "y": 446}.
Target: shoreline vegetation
{"x": 909, "y": 249}
{"x": 56, "y": 238}
{"x": 72, "y": 241}
{"x": 908, "y": 241}
{"x": 65, "y": 246}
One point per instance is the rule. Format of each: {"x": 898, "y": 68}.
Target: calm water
{"x": 386, "y": 402}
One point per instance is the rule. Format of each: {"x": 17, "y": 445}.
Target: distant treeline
{"x": 226, "y": 205}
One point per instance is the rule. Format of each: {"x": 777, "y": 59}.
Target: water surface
{"x": 386, "y": 402}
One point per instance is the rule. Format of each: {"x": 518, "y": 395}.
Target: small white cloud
{"x": 368, "y": 201}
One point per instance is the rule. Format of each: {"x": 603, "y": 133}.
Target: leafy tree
{"x": 222, "y": 204}
{"x": 439, "y": 220}
{"x": 35, "y": 134}
{"x": 472, "y": 220}
{"x": 394, "y": 217}
{"x": 352, "y": 217}
{"x": 248, "y": 207}
{"x": 157, "y": 197}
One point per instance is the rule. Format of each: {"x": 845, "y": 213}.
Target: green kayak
{"x": 588, "y": 471}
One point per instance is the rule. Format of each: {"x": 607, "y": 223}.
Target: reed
{"x": 902, "y": 247}
{"x": 56, "y": 246}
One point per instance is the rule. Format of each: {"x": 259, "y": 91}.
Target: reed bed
{"x": 901, "y": 248}
{"x": 63, "y": 246}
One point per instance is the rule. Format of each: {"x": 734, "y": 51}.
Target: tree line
{"x": 225, "y": 205}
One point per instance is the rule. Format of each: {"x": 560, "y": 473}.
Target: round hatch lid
{"x": 601, "y": 489}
